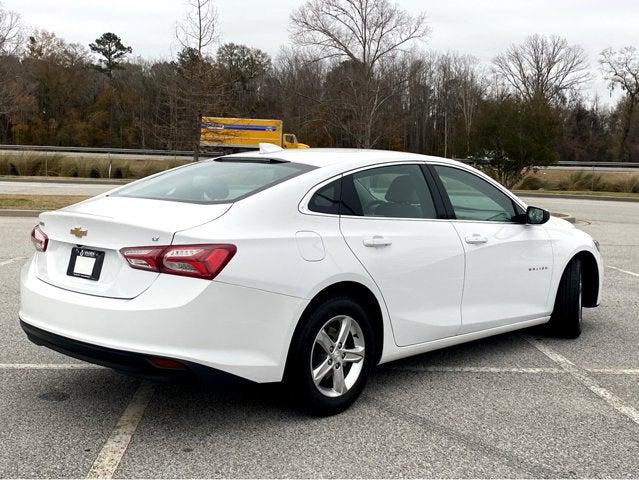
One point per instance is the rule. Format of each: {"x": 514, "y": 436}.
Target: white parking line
{"x": 11, "y": 260}
{"x": 579, "y": 375}
{"x": 47, "y": 366}
{"x": 615, "y": 371}
{"x": 624, "y": 271}
{"x": 480, "y": 369}
{"x": 115, "y": 447}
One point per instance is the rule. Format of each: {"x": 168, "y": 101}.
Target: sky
{"x": 482, "y": 28}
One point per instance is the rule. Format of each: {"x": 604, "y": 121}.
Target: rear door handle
{"x": 377, "y": 241}
{"x": 476, "y": 239}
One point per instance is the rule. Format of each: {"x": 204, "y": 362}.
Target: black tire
{"x": 299, "y": 379}
{"x": 566, "y": 317}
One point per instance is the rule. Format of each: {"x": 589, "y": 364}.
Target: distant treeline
{"x": 351, "y": 78}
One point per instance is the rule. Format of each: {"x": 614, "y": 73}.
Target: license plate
{"x": 85, "y": 263}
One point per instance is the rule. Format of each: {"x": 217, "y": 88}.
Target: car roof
{"x": 344, "y": 157}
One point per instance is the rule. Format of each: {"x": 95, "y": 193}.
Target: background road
{"x": 508, "y": 406}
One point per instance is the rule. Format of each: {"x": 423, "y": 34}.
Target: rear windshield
{"x": 221, "y": 180}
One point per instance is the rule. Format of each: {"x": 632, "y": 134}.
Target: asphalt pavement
{"x": 515, "y": 405}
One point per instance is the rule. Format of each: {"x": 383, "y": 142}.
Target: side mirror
{"x": 537, "y": 216}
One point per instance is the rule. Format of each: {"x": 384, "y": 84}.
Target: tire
{"x": 566, "y": 318}
{"x": 311, "y": 353}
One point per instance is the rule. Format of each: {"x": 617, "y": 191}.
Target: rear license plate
{"x": 85, "y": 263}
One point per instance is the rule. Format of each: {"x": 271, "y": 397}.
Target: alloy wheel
{"x": 337, "y": 357}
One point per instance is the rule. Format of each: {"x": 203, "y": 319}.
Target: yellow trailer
{"x": 245, "y": 133}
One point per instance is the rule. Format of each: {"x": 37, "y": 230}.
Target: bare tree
{"x": 364, "y": 35}
{"x": 196, "y": 35}
{"x": 543, "y": 68}
{"x": 11, "y": 31}
{"x": 199, "y": 29}
{"x": 621, "y": 69}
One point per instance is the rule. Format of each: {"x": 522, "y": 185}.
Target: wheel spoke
{"x": 339, "y": 385}
{"x": 344, "y": 330}
{"x": 325, "y": 341}
{"x": 353, "y": 355}
{"x": 321, "y": 371}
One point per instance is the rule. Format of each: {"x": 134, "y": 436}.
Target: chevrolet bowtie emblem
{"x": 78, "y": 232}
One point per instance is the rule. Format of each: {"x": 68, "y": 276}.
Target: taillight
{"x": 201, "y": 261}
{"x": 39, "y": 239}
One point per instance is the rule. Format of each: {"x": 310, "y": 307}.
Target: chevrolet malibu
{"x": 308, "y": 267}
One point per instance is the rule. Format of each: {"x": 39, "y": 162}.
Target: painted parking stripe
{"x": 115, "y": 447}
{"x": 615, "y": 371}
{"x": 624, "y": 271}
{"x": 480, "y": 369}
{"x": 48, "y": 366}
{"x": 11, "y": 260}
{"x": 579, "y": 374}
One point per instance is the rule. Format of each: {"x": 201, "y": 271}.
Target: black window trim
{"x": 450, "y": 212}
{"x": 345, "y": 176}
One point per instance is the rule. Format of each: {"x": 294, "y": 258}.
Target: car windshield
{"x": 222, "y": 180}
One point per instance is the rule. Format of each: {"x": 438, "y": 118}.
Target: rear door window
{"x": 395, "y": 191}
{"x": 221, "y": 180}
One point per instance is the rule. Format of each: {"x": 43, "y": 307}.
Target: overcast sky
{"x": 479, "y": 27}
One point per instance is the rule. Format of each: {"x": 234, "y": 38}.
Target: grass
{"x": 581, "y": 181}
{"x": 82, "y": 166}
{"x": 580, "y": 193}
{"x": 38, "y": 202}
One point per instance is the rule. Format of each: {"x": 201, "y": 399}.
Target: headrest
{"x": 402, "y": 190}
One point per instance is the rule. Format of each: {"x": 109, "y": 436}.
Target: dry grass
{"x": 59, "y": 165}
{"x": 38, "y": 202}
{"x": 581, "y": 181}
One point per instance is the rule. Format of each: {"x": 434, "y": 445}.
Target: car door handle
{"x": 476, "y": 239}
{"x": 377, "y": 241}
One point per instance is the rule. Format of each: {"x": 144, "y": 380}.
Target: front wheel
{"x": 566, "y": 317}
{"x": 331, "y": 358}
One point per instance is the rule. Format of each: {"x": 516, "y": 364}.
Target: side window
{"x": 473, "y": 198}
{"x": 326, "y": 199}
{"x": 396, "y": 191}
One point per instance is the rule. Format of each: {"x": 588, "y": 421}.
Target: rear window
{"x": 222, "y": 180}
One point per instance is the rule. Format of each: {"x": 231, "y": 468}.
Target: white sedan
{"x": 303, "y": 266}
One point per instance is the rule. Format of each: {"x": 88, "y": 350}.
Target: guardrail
{"x": 189, "y": 153}
{"x": 114, "y": 151}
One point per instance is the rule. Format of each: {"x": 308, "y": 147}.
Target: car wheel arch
{"x": 357, "y": 292}
{"x": 590, "y": 277}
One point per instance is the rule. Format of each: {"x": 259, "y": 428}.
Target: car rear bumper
{"x": 241, "y": 331}
{"x": 136, "y": 364}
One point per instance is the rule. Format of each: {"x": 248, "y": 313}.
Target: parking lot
{"x": 516, "y": 405}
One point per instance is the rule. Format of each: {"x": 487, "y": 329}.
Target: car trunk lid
{"x": 107, "y": 224}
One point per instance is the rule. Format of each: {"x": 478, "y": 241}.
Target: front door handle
{"x": 377, "y": 241}
{"x": 476, "y": 239}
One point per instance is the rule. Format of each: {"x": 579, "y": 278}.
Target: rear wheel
{"x": 331, "y": 358}
{"x": 566, "y": 317}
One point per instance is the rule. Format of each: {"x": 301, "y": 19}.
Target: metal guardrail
{"x": 114, "y": 151}
{"x": 189, "y": 153}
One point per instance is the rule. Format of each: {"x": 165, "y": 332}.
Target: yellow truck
{"x": 238, "y": 134}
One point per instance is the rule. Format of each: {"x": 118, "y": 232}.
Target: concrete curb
{"x": 9, "y": 212}
{"x": 564, "y": 216}
{"x": 532, "y": 193}
{"x": 81, "y": 181}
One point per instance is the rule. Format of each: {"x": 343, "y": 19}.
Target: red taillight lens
{"x": 144, "y": 258}
{"x": 201, "y": 261}
{"x": 39, "y": 239}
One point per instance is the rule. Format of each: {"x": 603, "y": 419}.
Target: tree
{"x": 543, "y": 68}
{"x": 10, "y": 31}
{"x": 113, "y": 51}
{"x": 621, "y": 69}
{"x": 364, "y": 36}
{"x": 197, "y": 34}
{"x": 512, "y": 137}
